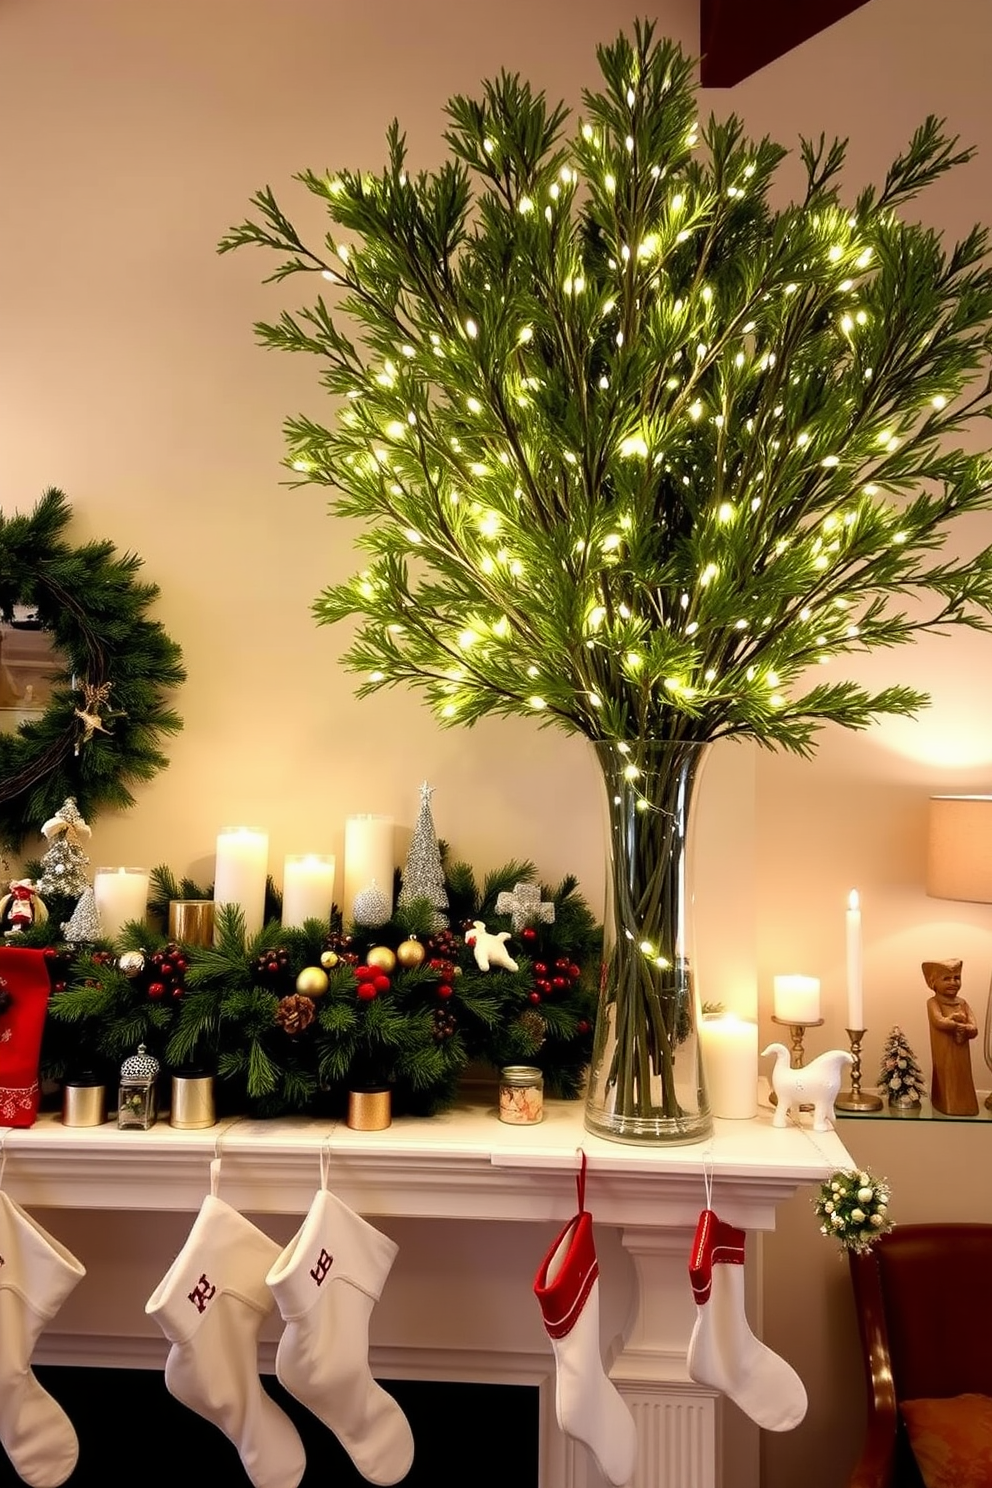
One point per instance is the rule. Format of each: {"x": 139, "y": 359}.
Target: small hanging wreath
{"x": 99, "y": 732}
{"x": 853, "y": 1207}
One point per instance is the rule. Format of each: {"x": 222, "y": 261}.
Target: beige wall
{"x": 133, "y": 136}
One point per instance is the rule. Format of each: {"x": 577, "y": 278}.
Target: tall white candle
{"x": 855, "y": 993}
{"x": 239, "y": 876}
{"x": 730, "y": 1063}
{"x": 307, "y": 888}
{"x": 797, "y": 999}
{"x": 121, "y": 895}
{"x": 368, "y": 859}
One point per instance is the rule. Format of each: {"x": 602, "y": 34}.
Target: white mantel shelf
{"x": 464, "y": 1164}
{"x": 457, "y": 1307}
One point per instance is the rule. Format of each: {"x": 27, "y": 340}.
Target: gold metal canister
{"x": 84, "y": 1105}
{"x": 192, "y": 921}
{"x": 370, "y": 1110}
{"x": 192, "y": 1105}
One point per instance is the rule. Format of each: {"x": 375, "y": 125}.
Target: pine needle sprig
{"x": 708, "y": 435}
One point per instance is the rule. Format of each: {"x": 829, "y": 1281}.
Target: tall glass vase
{"x": 646, "y": 1079}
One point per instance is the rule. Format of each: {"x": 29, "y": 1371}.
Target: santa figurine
{"x": 21, "y": 908}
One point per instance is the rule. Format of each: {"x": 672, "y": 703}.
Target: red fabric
{"x": 24, "y": 975}
{"x": 715, "y": 1242}
{"x": 562, "y": 1299}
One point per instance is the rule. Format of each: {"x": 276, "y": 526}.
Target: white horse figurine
{"x": 816, "y": 1084}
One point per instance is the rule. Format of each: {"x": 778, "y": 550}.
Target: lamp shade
{"x": 959, "y": 848}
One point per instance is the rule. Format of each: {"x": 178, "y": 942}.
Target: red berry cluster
{"x": 447, "y": 971}
{"x": 273, "y": 966}
{"x": 445, "y": 943}
{"x": 167, "y": 969}
{"x": 445, "y": 1025}
{"x": 371, "y": 981}
{"x": 57, "y": 963}
{"x": 341, "y": 945}
{"x": 558, "y": 977}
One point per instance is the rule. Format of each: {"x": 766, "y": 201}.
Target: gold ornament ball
{"x": 311, "y": 982}
{"x": 328, "y": 959}
{"x": 410, "y": 953}
{"x": 132, "y": 963}
{"x": 382, "y": 958}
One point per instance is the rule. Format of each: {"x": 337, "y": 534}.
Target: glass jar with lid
{"x": 521, "y": 1094}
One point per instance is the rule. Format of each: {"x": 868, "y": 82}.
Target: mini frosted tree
{"x": 635, "y": 451}
{"x": 423, "y": 876}
{"x": 899, "y": 1074}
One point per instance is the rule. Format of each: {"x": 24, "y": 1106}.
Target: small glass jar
{"x": 137, "y": 1105}
{"x": 521, "y": 1095}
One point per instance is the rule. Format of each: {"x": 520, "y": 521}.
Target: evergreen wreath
{"x": 291, "y": 1019}
{"x": 99, "y": 733}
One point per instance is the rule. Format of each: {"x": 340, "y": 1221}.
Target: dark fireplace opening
{"x": 132, "y": 1431}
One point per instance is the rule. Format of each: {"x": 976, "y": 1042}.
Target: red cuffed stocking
{"x": 24, "y": 980}
{"x": 587, "y": 1402}
{"x": 723, "y": 1352}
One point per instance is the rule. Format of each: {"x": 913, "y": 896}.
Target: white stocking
{"x": 326, "y": 1282}
{"x": 210, "y": 1305}
{"x": 587, "y": 1403}
{"x": 36, "y": 1276}
{"x": 723, "y": 1352}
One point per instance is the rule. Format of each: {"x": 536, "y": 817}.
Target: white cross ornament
{"x": 523, "y": 903}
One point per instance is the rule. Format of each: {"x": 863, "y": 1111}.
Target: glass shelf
{"x": 923, "y": 1112}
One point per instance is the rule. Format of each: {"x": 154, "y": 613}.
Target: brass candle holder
{"x": 855, "y": 1099}
{"x": 797, "y": 1055}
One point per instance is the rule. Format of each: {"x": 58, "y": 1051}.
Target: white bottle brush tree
{"x": 634, "y": 448}
{"x": 899, "y": 1074}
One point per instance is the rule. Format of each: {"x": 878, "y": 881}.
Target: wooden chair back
{"x": 923, "y": 1296}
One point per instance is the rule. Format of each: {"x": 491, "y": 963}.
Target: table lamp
{"x": 959, "y": 865}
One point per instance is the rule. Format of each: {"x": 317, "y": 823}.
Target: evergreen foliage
{"x": 93, "y": 605}
{"x": 634, "y": 447}
{"x": 417, "y": 1035}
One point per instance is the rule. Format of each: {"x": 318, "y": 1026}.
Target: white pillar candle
{"x": 797, "y": 999}
{"x": 121, "y": 895}
{"x": 730, "y": 1063}
{"x": 855, "y": 995}
{"x": 307, "y": 888}
{"x": 368, "y": 859}
{"x": 239, "y": 875}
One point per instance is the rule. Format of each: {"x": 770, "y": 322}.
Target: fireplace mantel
{"x": 464, "y": 1164}
{"x": 474, "y": 1203}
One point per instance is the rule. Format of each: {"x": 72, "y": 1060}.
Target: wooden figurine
{"x": 952, "y": 1027}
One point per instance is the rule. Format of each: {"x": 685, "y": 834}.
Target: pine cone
{"x": 535, "y": 1027}
{"x": 295, "y": 1013}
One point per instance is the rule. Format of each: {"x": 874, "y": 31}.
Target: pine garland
{"x": 635, "y": 447}
{"x": 239, "y": 1006}
{"x": 94, "y": 607}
